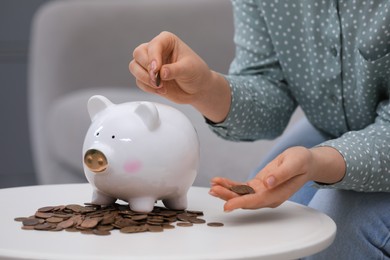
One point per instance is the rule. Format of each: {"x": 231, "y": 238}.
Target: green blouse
{"x": 330, "y": 57}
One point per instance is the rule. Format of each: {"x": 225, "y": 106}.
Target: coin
{"x": 153, "y": 228}
{"x": 72, "y": 229}
{"x": 104, "y": 228}
{"x": 134, "y": 229}
{"x": 41, "y": 214}
{"x": 28, "y": 227}
{"x": 158, "y": 79}
{"x": 66, "y": 224}
{"x": 101, "y": 232}
{"x": 139, "y": 217}
{"x": 20, "y": 219}
{"x": 87, "y": 231}
{"x": 31, "y": 222}
{"x": 195, "y": 212}
{"x": 184, "y": 224}
{"x": 54, "y": 220}
{"x": 168, "y": 226}
{"x": 45, "y": 209}
{"x": 242, "y": 189}
{"x": 90, "y": 223}
{"x": 195, "y": 220}
{"x": 44, "y": 226}
{"x": 74, "y": 208}
{"x": 215, "y": 224}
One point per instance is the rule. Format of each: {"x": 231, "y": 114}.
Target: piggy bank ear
{"x": 96, "y": 104}
{"x": 148, "y": 112}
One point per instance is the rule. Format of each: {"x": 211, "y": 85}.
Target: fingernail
{"x": 212, "y": 193}
{"x": 153, "y": 66}
{"x": 271, "y": 181}
{"x": 152, "y": 73}
{"x": 227, "y": 210}
{"x": 164, "y": 74}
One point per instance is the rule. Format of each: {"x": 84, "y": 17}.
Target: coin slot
{"x": 95, "y": 160}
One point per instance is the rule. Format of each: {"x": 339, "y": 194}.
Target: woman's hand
{"x": 185, "y": 77}
{"x": 282, "y": 177}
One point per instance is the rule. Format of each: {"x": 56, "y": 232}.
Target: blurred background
{"x": 81, "y": 48}
{"x": 15, "y": 156}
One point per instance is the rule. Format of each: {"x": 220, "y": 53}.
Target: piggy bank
{"x": 139, "y": 152}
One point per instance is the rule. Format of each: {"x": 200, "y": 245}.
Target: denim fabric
{"x": 363, "y": 224}
{"x": 362, "y": 219}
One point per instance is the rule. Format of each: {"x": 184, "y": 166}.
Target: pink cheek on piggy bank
{"x": 132, "y": 166}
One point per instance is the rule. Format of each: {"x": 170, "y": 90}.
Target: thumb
{"x": 176, "y": 70}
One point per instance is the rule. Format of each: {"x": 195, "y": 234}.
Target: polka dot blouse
{"x": 332, "y": 58}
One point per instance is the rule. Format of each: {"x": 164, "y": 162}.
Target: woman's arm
{"x": 282, "y": 177}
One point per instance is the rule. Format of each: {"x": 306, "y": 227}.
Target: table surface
{"x": 288, "y": 232}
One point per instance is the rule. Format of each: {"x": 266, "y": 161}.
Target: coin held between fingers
{"x": 157, "y": 78}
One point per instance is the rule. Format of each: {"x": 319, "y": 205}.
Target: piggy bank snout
{"x": 95, "y": 160}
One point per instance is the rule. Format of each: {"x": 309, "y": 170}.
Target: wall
{"x": 16, "y": 167}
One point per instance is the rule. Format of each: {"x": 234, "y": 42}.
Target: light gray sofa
{"x": 82, "y": 48}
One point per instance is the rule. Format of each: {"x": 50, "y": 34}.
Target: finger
{"x": 140, "y": 55}
{"x": 161, "y": 46}
{"x": 222, "y": 192}
{"x": 250, "y": 201}
{"x": 145, "y": 87}
{"x": 227, "y": 183}
{"x": 139, "y": 73}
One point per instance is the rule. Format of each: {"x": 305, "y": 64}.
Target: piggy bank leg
{"x": 142, "y": 204}
{"x": 177, "y": 203}
{"x": 101, "y": 198}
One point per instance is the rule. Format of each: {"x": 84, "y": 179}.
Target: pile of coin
{"x": 101, "y": 220}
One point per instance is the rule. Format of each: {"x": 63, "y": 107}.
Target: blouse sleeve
{"x": 261, "y": 101}
{"x": 367, "y": 155}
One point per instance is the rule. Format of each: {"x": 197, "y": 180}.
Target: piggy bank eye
{"x": 113, "y": 137}
{"x": 97, "y": 134}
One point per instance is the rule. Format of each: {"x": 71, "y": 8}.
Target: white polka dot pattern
{"x": 332, "y": 58}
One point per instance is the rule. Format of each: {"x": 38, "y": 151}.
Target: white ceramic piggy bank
{"x": 139, "y": 152}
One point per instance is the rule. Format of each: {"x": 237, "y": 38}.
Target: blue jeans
{"x": 362, "y": 219}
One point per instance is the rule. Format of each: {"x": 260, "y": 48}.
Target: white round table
{"x": 288, "y": 232}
